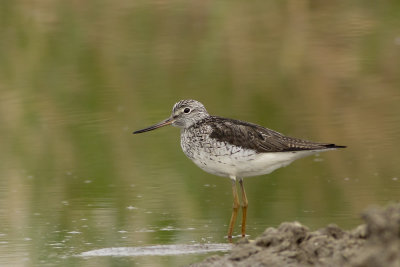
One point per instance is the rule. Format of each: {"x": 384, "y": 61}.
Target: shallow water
{"x": 77, "y": 79}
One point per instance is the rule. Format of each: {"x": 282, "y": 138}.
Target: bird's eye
{"x": 186, "y": 110}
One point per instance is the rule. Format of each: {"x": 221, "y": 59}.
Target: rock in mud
{"x": 375, "y": 243}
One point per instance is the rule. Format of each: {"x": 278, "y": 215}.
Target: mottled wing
{"x": 260, "y": 139}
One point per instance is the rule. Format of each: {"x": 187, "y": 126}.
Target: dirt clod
{"x": 375, "y": 243}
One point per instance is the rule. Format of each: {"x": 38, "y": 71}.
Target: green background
{"x": 77, "y": 77}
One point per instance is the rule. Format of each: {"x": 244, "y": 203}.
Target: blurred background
{"x": 78, "y": 77}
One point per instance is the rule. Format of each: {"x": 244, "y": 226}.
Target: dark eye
{"x": 186, "y": 110}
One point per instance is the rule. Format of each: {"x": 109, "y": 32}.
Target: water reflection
{"x": 76, "y": 79}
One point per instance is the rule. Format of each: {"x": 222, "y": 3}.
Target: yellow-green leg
{"x": 245, "y": 204}
{"x": 234, "y": 209}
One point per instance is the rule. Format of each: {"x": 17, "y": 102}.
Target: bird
{"x": 233, "y": 148}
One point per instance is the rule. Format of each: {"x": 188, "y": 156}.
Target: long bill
{"x": 156, "y": 126}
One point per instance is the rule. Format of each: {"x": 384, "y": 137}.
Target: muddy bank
{"x": 375, "y": 243}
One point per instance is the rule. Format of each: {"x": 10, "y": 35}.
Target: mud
{"x": 375, "y": 243}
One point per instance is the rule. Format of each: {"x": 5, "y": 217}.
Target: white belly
{"x": 252, "y": 165}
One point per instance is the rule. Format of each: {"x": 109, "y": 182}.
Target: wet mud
{"x": 374, "y": 243}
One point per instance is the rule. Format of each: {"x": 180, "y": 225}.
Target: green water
{"x": 77, "y": 77}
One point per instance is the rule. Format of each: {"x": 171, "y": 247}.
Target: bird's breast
{"x": 213, "y": 156}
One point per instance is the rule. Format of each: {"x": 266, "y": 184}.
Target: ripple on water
{"x": 157, "y": 250}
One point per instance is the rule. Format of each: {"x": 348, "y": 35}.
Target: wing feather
{"x": 260, "y": 139}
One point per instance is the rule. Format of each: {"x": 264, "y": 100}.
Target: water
{"x": 77, "y": 79}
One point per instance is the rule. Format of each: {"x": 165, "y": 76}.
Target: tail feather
{"x": 333, "y": 146}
